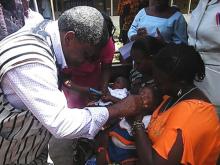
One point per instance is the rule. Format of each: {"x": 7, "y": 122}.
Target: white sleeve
{"x": 36, "y": 87}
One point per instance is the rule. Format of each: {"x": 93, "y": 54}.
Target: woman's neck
{"x": 160, "y": 11}
{"x": 179, "y": 90}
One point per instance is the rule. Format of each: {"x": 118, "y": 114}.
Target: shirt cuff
{"x": 100, "y": 116}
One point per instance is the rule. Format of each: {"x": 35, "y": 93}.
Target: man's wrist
{"x": 114, "y": 111}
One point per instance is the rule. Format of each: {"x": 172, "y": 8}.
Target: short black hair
{"x": 149, "y": 46}
{"x": 87, "y": 23}
{"x": 181, "y": 62}
{"x": 124, "y": 80}
{"x": 109, "y": 24}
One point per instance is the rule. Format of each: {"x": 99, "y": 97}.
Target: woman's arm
{"x": 180, "y": 31}
{"x": 146, "y": 153}
{"x": 134, "y": 26}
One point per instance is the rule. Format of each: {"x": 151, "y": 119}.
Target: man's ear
{"x": 69, "y": 38}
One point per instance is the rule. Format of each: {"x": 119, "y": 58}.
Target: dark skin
{"x": 159, "y": 8}
{"x": 143, "y": 63}
{"x": 146, "y": 154}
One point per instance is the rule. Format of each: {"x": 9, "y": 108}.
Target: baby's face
{"x": 147, "y": 95}
{"x": 119, "y": 84}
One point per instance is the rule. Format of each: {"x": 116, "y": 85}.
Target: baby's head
{"x": 120, "y": 83}
{"x": 152, "y": 94}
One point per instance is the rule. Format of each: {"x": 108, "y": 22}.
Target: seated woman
{"x": 185, "y": 127}
{"x": 159, "y": 20}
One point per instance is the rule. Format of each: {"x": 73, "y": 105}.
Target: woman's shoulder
{"x": 176, "y": 15}
{"x": 141, "y": 12}
{"x": 194, "y": 108}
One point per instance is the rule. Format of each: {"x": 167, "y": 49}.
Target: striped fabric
{"x": 23, "y": 139}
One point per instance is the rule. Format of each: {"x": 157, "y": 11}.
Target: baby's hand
{"x": 92, "y": 103}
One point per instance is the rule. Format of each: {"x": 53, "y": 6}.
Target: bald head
{"x": 86, "y": 22}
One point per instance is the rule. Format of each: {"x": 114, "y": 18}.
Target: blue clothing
{"x": 173, "y": 29}
{"x": 116, "y": 153}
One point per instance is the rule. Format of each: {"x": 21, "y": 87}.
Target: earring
{"x": 179, "y": 93}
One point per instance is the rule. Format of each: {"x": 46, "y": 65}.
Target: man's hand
{"x": 130, "y": 106}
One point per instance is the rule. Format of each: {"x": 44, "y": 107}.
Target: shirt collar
{"x": 53, "y": 30}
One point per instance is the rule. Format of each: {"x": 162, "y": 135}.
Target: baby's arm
{"x": 109, "y": 97}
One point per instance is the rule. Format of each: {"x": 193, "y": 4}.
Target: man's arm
{"x": 35, "y": 86}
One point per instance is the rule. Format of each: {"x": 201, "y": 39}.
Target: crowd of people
{"x": 56, "y": 86}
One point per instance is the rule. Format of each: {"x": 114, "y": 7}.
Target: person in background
{"x": 46, "y": 9}
{"x": 185, "y": 128}
{"x": 11, "y": 16}
{"x": 127, "y": 9}
{"x": 204, "y": 32}
{"x": 31, "y": 18}
{"x": 32, "y": 106}
{"x": 14, "y": 14}
{"x": 161, "y": 21}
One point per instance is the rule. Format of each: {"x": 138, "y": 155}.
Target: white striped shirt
{"x": 34, "y": 87}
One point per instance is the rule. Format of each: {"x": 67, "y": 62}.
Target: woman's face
{"x": 142, "y": 62}
{"x": 162, "y": 80}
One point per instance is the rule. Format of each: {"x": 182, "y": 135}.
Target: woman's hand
{"x": 160, "y": 37}
{"x": 138, "y": 117}
{"x": 142, "y": 32}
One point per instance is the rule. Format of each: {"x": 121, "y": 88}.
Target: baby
{"x": 115, "y": 93}
{"x": 120, "y": 147}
